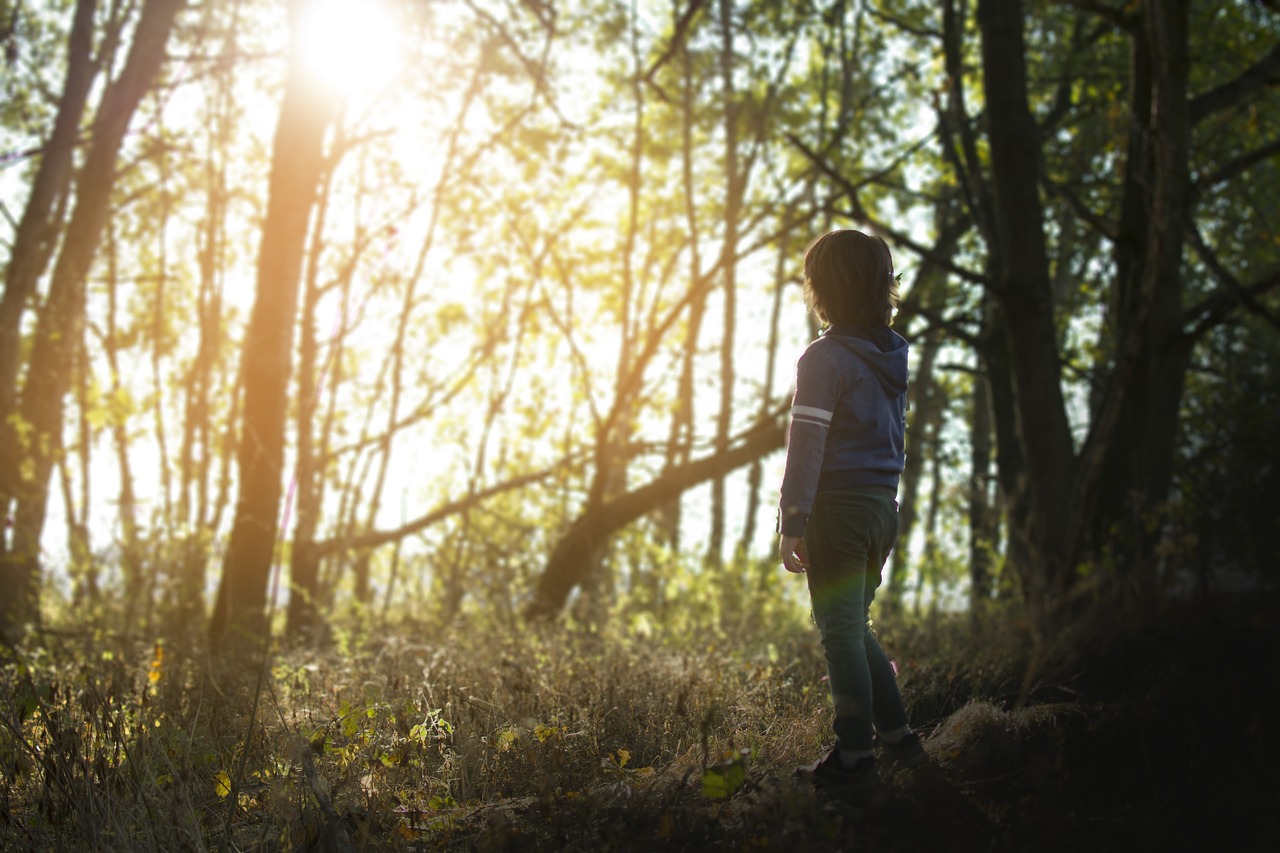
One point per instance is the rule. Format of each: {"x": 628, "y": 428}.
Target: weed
{"x": 468, "y": 736}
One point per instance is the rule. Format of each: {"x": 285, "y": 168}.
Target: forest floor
{"x": 1159, "y": 735}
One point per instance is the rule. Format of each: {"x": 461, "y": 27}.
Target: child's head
{"x": 849, "y": 281}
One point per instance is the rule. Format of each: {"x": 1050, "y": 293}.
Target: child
{"x": 838, "y": 516}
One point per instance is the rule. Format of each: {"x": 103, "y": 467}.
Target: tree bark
{"x": 733, "y": 199}
{"x": 928, "y": 292}
{"x": 131, "y": 562}
{"x": 1023, "y": 288}
{"x": 570, "y": 559}
{"x": 296, "y": 163}
{"x": 83, "y": 568}
{"x": 36, "y": 234}
{"x": 680, "y": 438}
{"x": 198, "y": 446}
{"x": 304, "y": 563}
{"x": 982, "y": 528}
{"x": 1128, "y": 457}
{"x": 927, "y": 403}
{"x": 60, "y": 323}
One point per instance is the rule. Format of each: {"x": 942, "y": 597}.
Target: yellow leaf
{"x": 156, "y": 663}
{"x": 222, "y": 784}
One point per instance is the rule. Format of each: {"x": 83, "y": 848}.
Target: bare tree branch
{"x": 1264, "y": 72}
{"x": 1079, "y": 208}
{"x": 677, "y": 39}
{"x": 1217, "y": 307}
{"x": 597, "y": 523}
{"x": 860, "y": 213}
{"x": 375, "y": 538}
{"x": 1238, "y": 166}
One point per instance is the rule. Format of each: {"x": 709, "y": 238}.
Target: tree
{"x": 743, "y": 225}
{"x": 59, "y": 328}
{"x": 1049, "y": 175}
{"x": 203, "y": 378}
{"x": 296, "y": 164}
{"x": 1098, "y": 505}
{"x": 734, "y": 181}
{"x": 599, "y": 522}
{"x": 1020, "y": 279}
{"x": 540, "y": 344}
{"x": 35, "y": 238}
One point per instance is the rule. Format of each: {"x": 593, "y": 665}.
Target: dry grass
{"x": 523, "y": 737}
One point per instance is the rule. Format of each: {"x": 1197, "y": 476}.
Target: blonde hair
{"x": 849, "y": 279}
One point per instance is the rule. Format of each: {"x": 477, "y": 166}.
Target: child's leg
{"x": 887, "y": 700}
{"x": 838, "y": 543}
{"x": 844, "y": 635}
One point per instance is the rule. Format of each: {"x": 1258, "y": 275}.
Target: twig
{"x": 335, "y": 836}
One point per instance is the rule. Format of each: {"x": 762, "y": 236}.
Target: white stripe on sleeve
{"x": 821, "y": 417}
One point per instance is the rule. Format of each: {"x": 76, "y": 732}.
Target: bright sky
{"x": 353, "y": 47}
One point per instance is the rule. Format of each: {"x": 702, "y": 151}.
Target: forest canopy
{"x": 496, "y": 305}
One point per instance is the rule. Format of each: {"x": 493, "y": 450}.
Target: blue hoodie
{"x": 848, "y": 418}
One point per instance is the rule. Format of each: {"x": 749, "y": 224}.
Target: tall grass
{"x": 635, "y": 734}
{"x": 401, "y": 734}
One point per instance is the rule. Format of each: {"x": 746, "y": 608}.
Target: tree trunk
{"x": 1128, "y": 459}
{"x": 614, "y": 431}
{"x": 304, "y": 562}
{"x": 929, "y": 560}
{"x": 36, "y": 234}
{"x": 994, "y": 356}
{"x": 198, "y": 447}
{"x": 131, "y": 561}
{"x": 756, "y": 475}
{"x": 59, "y": 326}
{"x": 83, "y": 568}
{"x": 296, "y": 164}
{"x": 729, "y": 247}
{"x": 927, "y": 404}
{"x": 680, "y": 438}
{"x": 928, "y": 292}
{"x": 1022, "y": 285}
{"x": 982, "y": 534}
{"x": 1063, "y": 510}
{"x": 571, "y": 557}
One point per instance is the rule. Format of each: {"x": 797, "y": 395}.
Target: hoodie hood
{"x": 882, "y": 349}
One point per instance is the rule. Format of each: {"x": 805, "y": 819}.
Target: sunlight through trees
{"x": 487, "y": 305}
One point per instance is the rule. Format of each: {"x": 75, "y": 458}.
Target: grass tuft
{"x": 518, "y": 737}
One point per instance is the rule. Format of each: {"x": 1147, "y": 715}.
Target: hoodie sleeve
{"x": 817, "y": 391}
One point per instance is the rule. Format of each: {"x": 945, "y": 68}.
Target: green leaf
{"x": 721, "y": 781}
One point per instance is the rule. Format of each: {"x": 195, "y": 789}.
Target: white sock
{"x": 850, "y": 757}
{"x": 893, "y": 738}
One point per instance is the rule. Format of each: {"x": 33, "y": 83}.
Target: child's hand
{"x": 791, "y": 550}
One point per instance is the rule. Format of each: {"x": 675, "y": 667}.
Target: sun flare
{"x": 352, "y": 47}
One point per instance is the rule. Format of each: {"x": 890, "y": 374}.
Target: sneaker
{"x": 831, "y": 772}
{"x": 908, "y": 752}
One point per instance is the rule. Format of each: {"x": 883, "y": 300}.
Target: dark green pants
{"x": 847, "y": 540}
